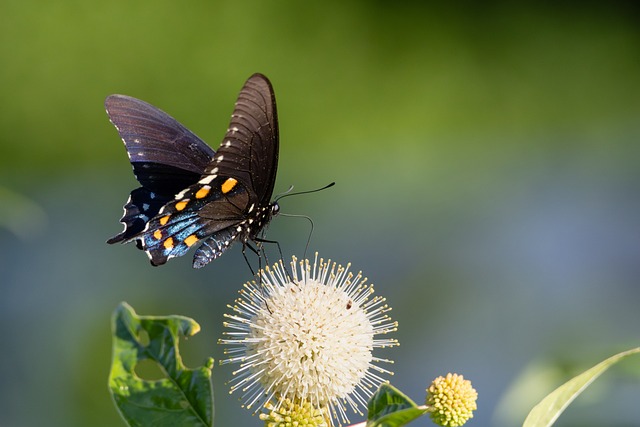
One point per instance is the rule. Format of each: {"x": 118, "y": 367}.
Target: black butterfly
{"x": 191, "y": 194}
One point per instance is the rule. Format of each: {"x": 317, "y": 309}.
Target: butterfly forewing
{"x": 249, "y": 151}
{"x": 152, "y": 136}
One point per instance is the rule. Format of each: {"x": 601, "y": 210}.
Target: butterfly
{"x": 190, "y": 194}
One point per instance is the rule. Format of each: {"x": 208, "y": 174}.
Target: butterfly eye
{"x": 275, "y": 209}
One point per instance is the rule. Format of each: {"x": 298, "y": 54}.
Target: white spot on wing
{"x": 207, "y": 179}
{"x": 181, "y": 194}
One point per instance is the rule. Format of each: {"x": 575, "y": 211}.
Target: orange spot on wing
{"x": 181, "y": 205}
{"x": 228, "y": 185}
{"x": 157, "y": 234}
{"x": 203, "y": 192}
{"x": 189, "y": 241}
{"x": 168, "y": 244}
{"x": 164, "y": 219}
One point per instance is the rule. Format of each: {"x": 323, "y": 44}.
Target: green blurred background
{"x": 486, "y": 158}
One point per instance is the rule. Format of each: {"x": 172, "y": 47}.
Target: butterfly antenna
{"x": 289, "y": 193}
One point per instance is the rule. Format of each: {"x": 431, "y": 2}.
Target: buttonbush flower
{"x": 452, "y": 399}
{"x": 309, "y": 338}
{"x": 292, "y": 414}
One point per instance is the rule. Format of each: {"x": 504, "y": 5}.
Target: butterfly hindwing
{"x": 142, "y": 205}
{"x": 191, "y": 195}
{"x": 195, "y": 214}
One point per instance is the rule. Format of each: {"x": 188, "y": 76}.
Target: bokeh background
{"x": 486, "y": 158}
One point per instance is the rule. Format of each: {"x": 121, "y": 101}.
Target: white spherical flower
{"x": 308, "y": 338}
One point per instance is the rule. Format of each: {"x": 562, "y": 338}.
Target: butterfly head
{"x": 275, "y": 209}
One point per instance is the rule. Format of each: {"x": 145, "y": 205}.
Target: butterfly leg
{"x": 244, "y": 254}
{"x": 260, "y": 240}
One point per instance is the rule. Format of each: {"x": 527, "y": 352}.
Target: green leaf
{"x": 389, "y": 407}
{"x": 549, "y": 409}
{"x": 184, "y": 397}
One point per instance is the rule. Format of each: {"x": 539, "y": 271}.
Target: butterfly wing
{"x": 179, "y": 224}
{"x": 249, "y": 150}
{"x": 152, "y": 136}
{"x": 166, "y": 158}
